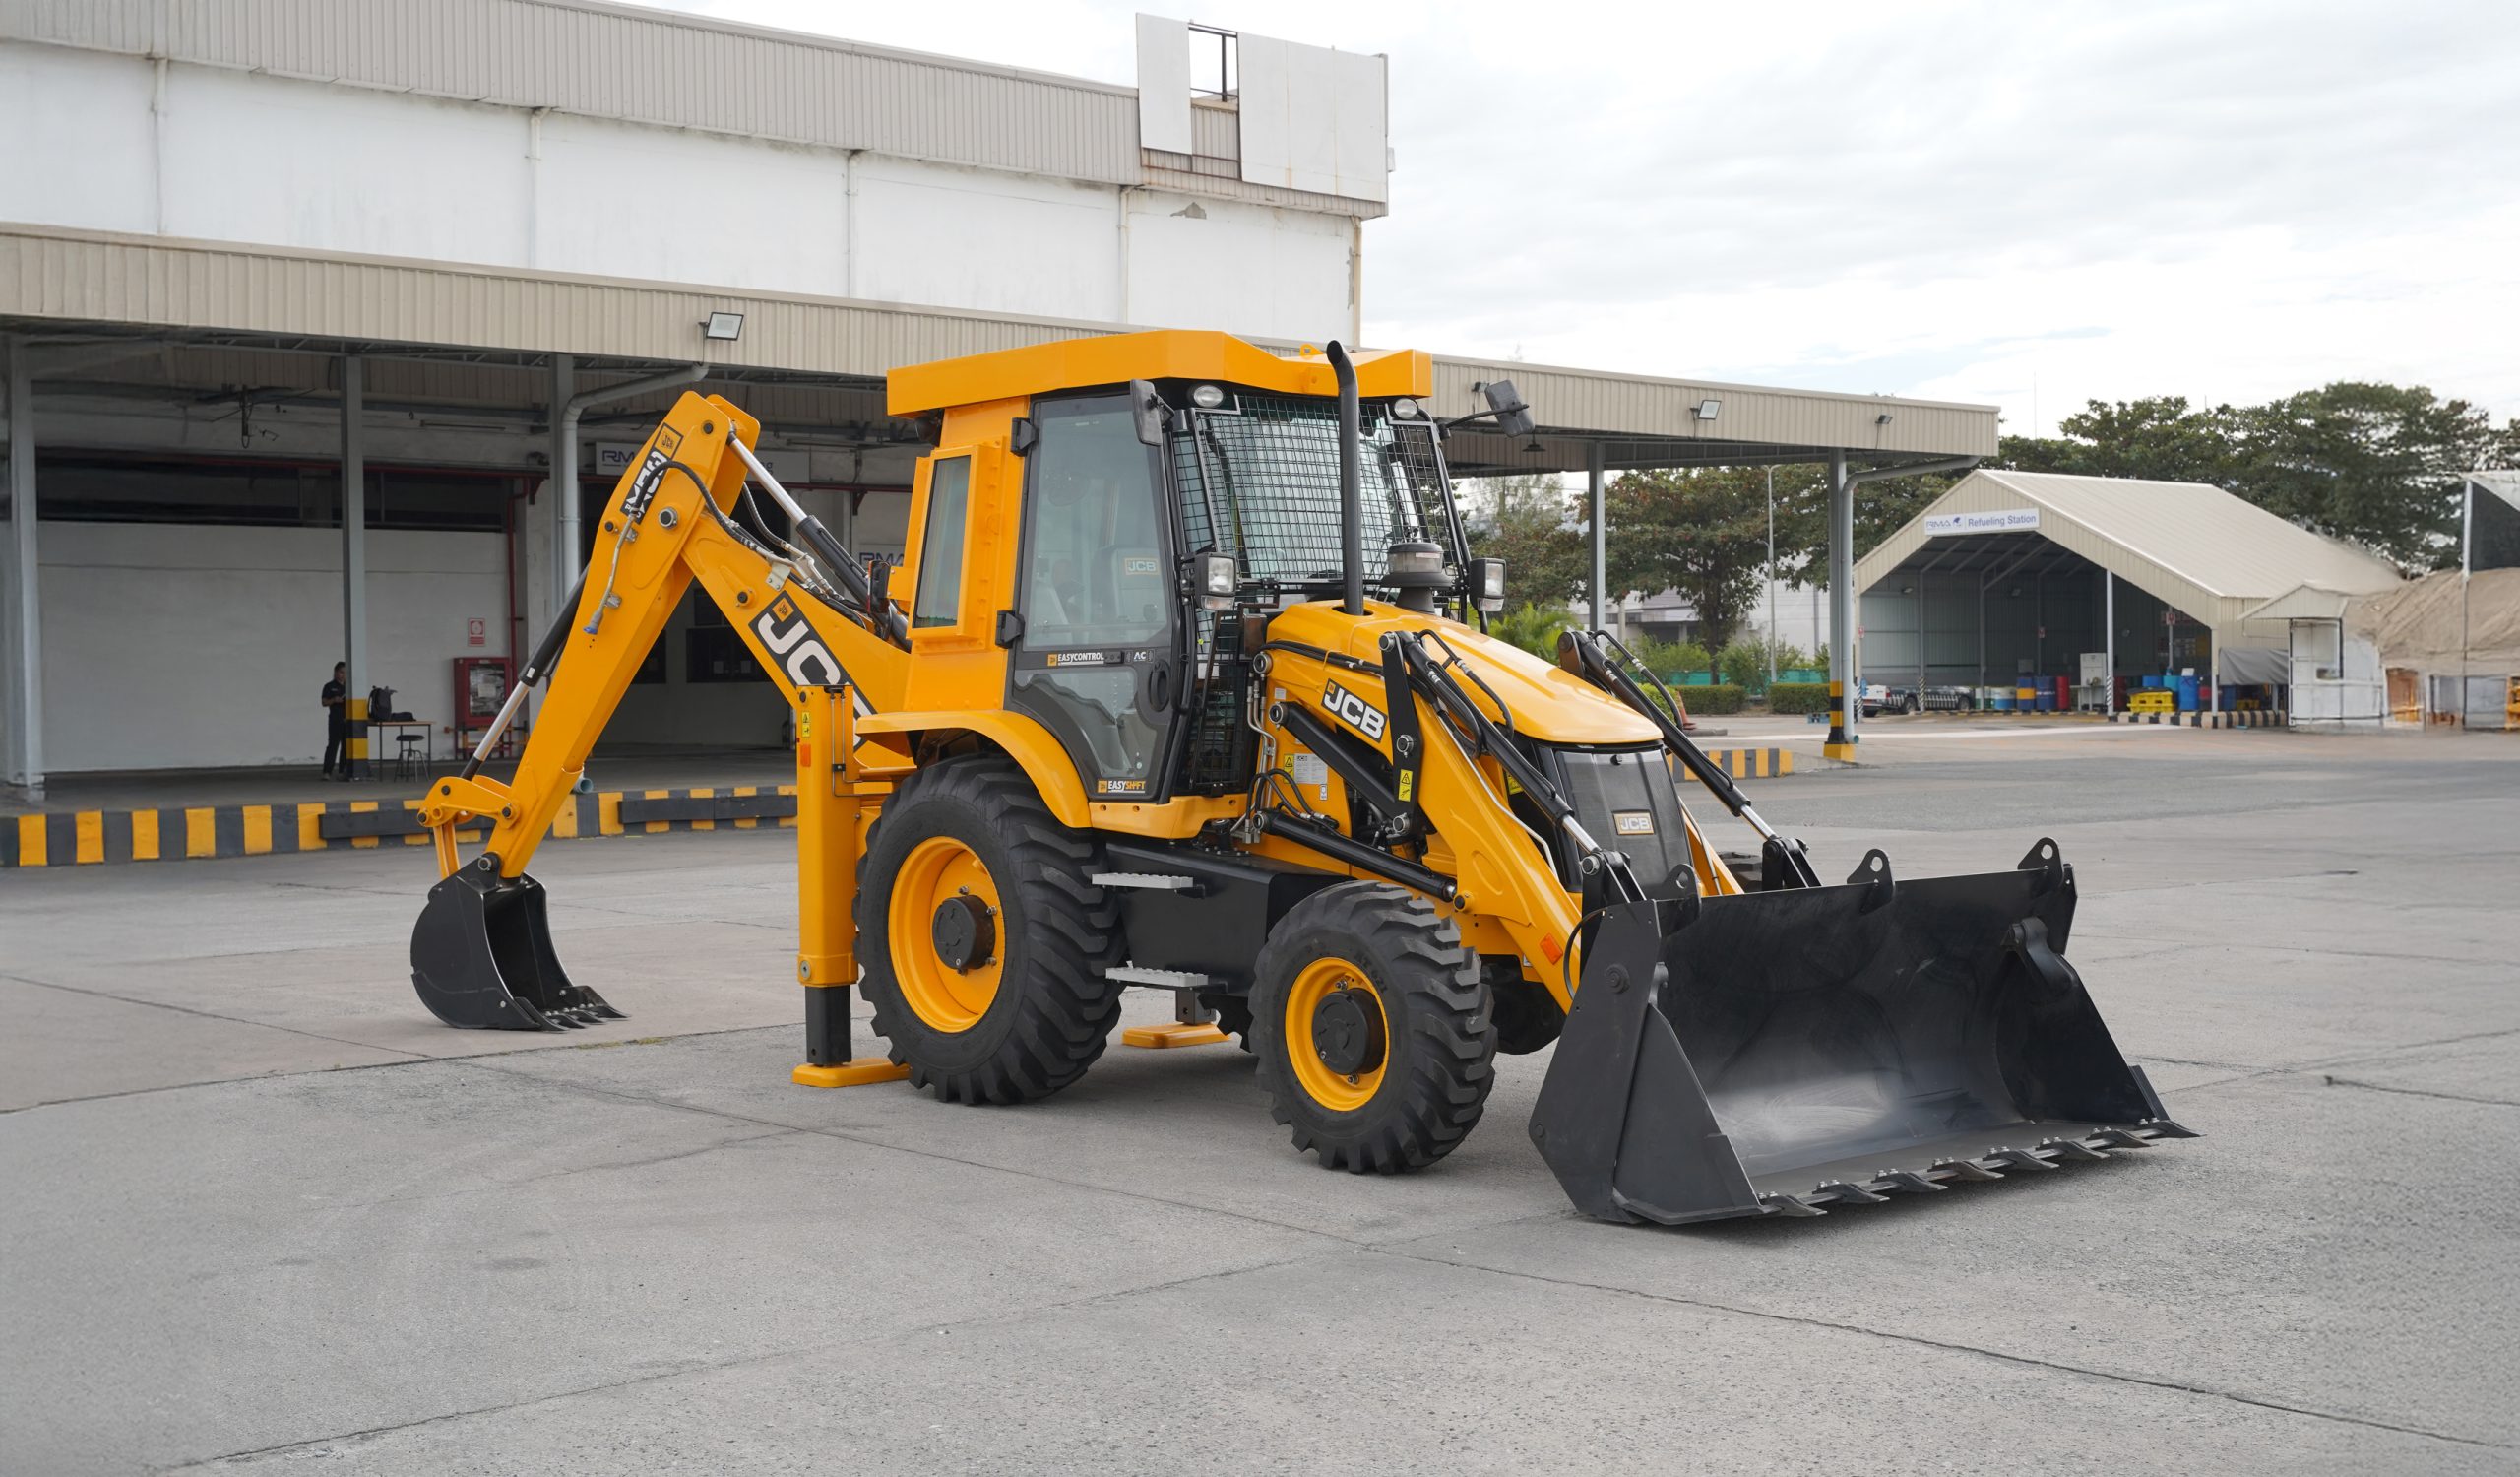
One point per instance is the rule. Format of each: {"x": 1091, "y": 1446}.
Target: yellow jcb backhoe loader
{"x": 1191, "y": 691}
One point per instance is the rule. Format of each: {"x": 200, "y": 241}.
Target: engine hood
{"x": 1548, "y": 704}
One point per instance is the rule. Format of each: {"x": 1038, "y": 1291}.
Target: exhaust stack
{"x": 1352, "y": 513}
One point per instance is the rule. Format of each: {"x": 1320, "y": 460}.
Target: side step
{"x": 1150, "y": 882}
{"x": 1192, "y": 1023}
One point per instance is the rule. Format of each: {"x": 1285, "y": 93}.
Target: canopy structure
{"x": 2014, "y": 573}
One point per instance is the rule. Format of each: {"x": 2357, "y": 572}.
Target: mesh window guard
{"x": 1260, "y": 480}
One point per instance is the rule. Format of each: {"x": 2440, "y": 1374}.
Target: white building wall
{"x": 617, "y": 200}
{"x": 79, "y": 140}
{"x": 1000, "y": 244}
{"x": 1249, "y": 269}
{"x": 182, "y": 646}
{"x": 125, "y": 144}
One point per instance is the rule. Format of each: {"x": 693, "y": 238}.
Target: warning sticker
{"x": 1309, "y": 771}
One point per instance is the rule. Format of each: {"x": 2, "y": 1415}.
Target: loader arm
{"x": 673, "y": 519}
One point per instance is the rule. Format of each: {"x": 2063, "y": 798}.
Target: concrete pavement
{"x": 262, "y": 1210}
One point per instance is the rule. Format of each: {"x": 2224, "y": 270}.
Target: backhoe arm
{"x": 675, "y": 517}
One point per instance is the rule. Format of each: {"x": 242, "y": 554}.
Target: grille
{"x": 1260, "y": 482}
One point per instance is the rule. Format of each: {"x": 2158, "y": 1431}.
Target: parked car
{"x": 1879, "y": 698}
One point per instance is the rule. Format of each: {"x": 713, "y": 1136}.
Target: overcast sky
{"x": 2027, "y": 205}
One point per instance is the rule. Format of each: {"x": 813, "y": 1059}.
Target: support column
{"x": 355, "y": 560}
{"x": 2108, "y": 637}
{"x": 564, "y": 481}
{"x": 22, "y": 620}
{"x": 1921, "y": 640}
{"x": 1846, "y": 699}
{"x": 1600, "y": 533}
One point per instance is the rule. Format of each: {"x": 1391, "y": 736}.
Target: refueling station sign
{"x": 2000, "y": 520}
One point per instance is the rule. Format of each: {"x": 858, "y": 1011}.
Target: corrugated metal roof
{"x": 659, "y": 67}
{"x": 98, "y": 278}
{"x": 1644, "y": 405}
{"x": 2206, "y": 551}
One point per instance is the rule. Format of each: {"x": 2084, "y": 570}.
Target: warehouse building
{"x": 2010, "y": 579}
{"x": 459, "y": 253}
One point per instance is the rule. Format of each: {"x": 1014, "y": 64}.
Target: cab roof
{"x": 1164, "y": 354}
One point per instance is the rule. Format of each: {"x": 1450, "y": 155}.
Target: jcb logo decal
{"x": 785, "y": 631}
{"x": 1354, "y": 711}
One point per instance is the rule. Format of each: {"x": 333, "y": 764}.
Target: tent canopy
{"x": 2419, "y": 625}
{"x": 2211, "y": 554}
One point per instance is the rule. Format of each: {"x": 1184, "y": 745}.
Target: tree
{"x": 2377, "y": 464}
{"x": 2160, "y": 438}
{"x": 1524, "y": 521}
{"x": 1881, "y": 508}
{"x": 1700, "y": 531}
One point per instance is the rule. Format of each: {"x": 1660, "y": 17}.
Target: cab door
{"x": 1095, "y": 653}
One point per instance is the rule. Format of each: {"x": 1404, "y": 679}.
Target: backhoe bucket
{"x": 481, "y": 957}
{"x": 1774, "y": 1053}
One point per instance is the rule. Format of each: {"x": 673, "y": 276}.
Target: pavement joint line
{"x": 920, "y": 1153}
{"x": 764, "y": 1357}
{"x": 562, "y": 1174}
{"x": 233, "y": 1020}
{"x": 2281, "y": 876}
{"x": 2401, "y": 956}
{"x": 2349, "y": 1058}
{"x": 2419, "y": 1092}
{"x": 415, "y": 1058}
{"x": 2031, "y": 1361}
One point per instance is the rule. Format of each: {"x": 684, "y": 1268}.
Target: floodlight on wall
{"x": 1708, "y": 409}
{"x": 1884, "y": 418}
{"x": 724, "y": 327}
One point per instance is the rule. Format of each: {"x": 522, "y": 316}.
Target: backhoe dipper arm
{"x": 672, "y": 520}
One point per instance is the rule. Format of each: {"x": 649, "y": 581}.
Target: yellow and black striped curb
{"x": 1752, "y": 763}
{"x": 2270, "y": 720}
{"x": 65, "y": 838}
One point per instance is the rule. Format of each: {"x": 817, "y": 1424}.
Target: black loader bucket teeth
{"x": 1778, "y": 1053}
{"x": 481, "y": 957}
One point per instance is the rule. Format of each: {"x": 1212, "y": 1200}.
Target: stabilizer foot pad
{"x": 1172, "y": 1034}
{"x": 857, "y": 1073}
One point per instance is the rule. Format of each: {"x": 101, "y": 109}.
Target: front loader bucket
{"x": 481, "y": 957}
{"x": 1774, "y": 1053}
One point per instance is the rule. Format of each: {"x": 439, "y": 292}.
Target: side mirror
{"x": 1152, "y": 416}
{"x": 1513, "y": 417}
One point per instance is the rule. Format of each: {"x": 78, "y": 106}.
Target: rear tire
{"x": 1416, "y": 1088}
{"x": 1034, "y": 1021}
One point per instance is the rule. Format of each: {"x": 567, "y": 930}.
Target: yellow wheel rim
{"x": 1319, "y": 980}
{"x": 937, "y": 871}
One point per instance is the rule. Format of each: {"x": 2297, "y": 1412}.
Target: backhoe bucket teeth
{"x": 481, "y": 957}
{"x": 1779, "y": 1053}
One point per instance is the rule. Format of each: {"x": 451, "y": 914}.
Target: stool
{"x": 408, "y": 764}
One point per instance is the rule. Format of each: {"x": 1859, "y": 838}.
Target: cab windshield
{"x": 1259, "y": 479}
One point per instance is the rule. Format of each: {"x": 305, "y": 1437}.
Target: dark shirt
{"x": 336, "y": 713}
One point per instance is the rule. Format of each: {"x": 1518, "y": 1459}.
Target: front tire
{"x": 983, "y": 937}
{"x": 1373, "y": 1036}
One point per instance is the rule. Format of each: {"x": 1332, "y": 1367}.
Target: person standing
{"x": 336, "y": 719}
